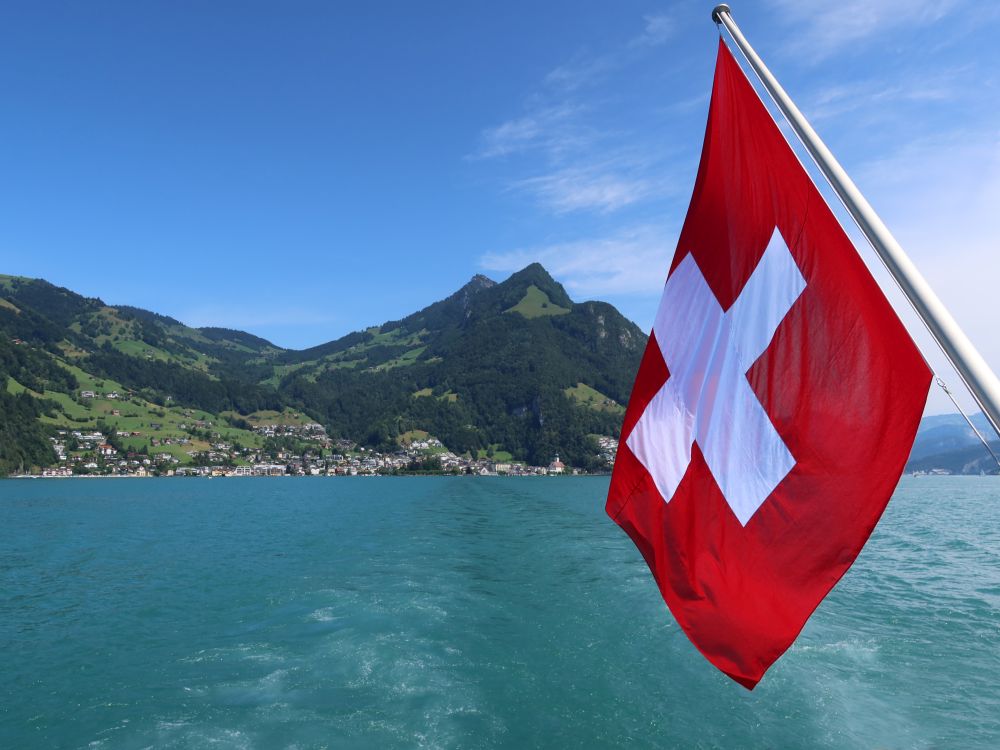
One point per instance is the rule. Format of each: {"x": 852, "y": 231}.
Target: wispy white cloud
{"x": 698, "y": 101}
{"x": 579, "y": 166}
{"x": 577, "y": 189}
{"x": 659, "y": 30}
{"x": 572, "y": 168}
{"x": 551, "y": 129}
{"x": 589, "y": 69}
{"x": 584, "y": 71}
{"x": 851, "y": 96}
{"x": 631, "y": 261}
{"x": 822, "y": 27}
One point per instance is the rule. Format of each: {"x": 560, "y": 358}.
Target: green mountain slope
{"x": 478, "y": 373}
{"x": 515, "y": 367}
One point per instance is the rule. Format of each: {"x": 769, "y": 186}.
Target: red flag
{"x": 775, "y": 405}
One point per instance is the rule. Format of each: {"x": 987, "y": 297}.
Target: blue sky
{"x": 300, "y": 170}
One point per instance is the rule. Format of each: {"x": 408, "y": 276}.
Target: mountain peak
{"x": 534, "y": 274}
{"x": 535, "y": 267}
{"x": 478, "y": 282}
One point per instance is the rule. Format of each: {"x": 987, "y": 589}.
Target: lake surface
{"x": 459, "y": 612}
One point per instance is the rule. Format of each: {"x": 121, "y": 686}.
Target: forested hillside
{"x": 511, "y": 368}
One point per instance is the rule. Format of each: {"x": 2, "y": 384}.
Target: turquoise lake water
{"x": 459, "y": 613}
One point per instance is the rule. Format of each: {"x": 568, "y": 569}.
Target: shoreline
{"x": 315, "y": 476}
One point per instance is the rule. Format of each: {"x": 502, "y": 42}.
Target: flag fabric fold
{"x": 776, "y": 402}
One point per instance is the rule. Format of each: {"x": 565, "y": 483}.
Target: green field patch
{"x": 142, "y": 350}
{"x": 181, "y": 452}
{"x": 357, "y": 354}
{"x": 346, "y": 365}
{"x": 182, "y": 333}
{"x": 448, "y": 395}
{"x": 90, "y": 382}
{"x": 286, "y": 417}
{"x": 71, "y": 350}
{"x": 136, "y": 348}
{"x": 584, "y": 395}
{"x": 536, "y": 304}
{"x": 394, "y": 336}
{"x": 9, "y": 305}
{"x": 71, "y": 409}
{"x": 406, "y": 358}
{"x": 499, "y": 454}
{"x": 66, "y": 403}
{"x": 136, "y": 415}
{"x": 8, "y": 282}
{"x": 282, "y": 371}
{"x": 410, "y": 435}
{"x": 410, "y": 356}
{"x": 407, "y": 439}
{"x": 14, "y": 387}
{"x": 110, "y": 326}
{"x": 135, "y": 421}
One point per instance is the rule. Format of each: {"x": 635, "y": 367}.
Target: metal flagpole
{"x": 977, "y": 375}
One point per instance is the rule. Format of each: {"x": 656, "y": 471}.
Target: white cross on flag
{"x": 775, "y": 405}
{"x": 708, "y": 397}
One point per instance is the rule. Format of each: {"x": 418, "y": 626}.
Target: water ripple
{"x": 459, "y": 613}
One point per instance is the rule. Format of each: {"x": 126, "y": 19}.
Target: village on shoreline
{"x": 289, "y": 450}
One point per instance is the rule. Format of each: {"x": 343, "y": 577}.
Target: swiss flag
{"x": 775, "y": 405}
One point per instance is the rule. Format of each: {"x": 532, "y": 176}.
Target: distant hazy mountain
{"x": 946, "y": 442}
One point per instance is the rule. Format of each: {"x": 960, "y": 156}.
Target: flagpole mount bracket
{"x": 718, "y": 10}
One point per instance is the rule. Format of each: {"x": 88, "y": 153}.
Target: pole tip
{"x": 718, "y": 10}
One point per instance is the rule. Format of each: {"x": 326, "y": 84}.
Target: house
{"x": 106, "y": 449}
{"x": 88, "y": 394}
{"x": 557, "y": 466}
{"x": 269, "y": 470}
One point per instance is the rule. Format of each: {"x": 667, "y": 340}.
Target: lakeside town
{"x": 288, "y": 450}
